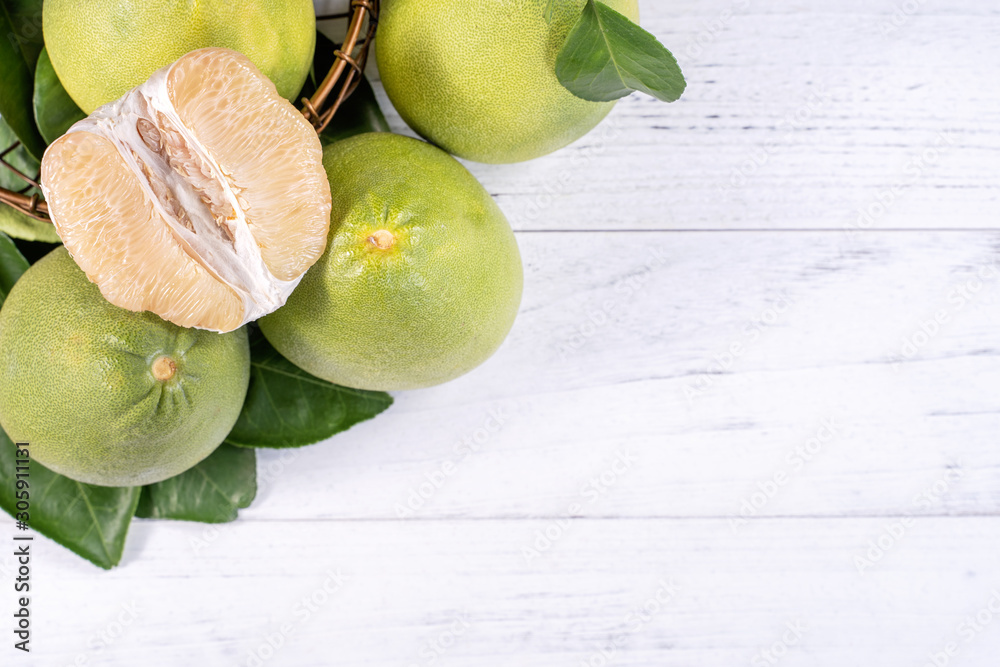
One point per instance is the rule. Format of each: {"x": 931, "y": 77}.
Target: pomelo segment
{"x": 124, "y": 246}
{"x": 207, "y": 92}
{"x": 199, "y": 196}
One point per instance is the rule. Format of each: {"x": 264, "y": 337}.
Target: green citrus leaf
{"x": 606, "y": 57}
{"x": 18, "y": 158}
{"x": 33, "y": 250}
{"x": 211, "y": 492}
{"x": 287, "y": 407}
{"x": 21, "y": 226}
{"x": 55, "y": 110}
{"x": 359, "y": 113}
{"x": 26, "y": 18}
{"x": 20, "y": 44}
{"x": 13, "y": 222}
{"x": 12, "y": 265}
{"x": 91, "y": 521}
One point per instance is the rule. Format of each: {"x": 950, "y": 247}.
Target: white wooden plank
{"x": 795, "y": 117}
{"x": 467, "y": 584}
{"x": 620, "y": 348}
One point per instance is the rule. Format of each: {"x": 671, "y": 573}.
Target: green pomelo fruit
{"x": 477, "y": 77}
{"x": 102, "y": 48}
{"x": 421, "y": 279}
{"x": 107, "y": 396}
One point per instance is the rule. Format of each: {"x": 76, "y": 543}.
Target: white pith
{"x": 187, "y": 197}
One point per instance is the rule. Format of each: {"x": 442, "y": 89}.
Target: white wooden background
{"x": 778, "y": 296}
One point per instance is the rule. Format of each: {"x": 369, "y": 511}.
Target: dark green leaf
{"x": 33, "y": 250}
{"x": 12, "y": 265}
{"x": 17, "y": 224}
{"x": 359, "y": 113}
{"x": 287, "y": 407}
{"x": 607, "y": 56}
{"x": 91, "y": 521}
{"x": 12, "y": 221}
{"x": 18, "y": 158}
{"x": 20, "y": 44}
{"x": 210, "y": 492}
{"x": 55, "y": 110}
{"x": 26, "y": 18}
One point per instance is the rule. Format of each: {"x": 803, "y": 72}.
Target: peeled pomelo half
{"x": 199, "y": 196}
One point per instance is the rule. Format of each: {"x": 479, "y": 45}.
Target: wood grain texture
{"x": 797, "y": 116}
{"x": 666, "y": 592}
{"x": 625, "y": 344}
{"x": 786, "y": 414}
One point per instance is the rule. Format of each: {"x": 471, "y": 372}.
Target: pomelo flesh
{"x": 199, "y": 196}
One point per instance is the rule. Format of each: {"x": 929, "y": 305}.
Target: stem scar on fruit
{"x": 164, "y": 368}
{"x": 382, "y": 239}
